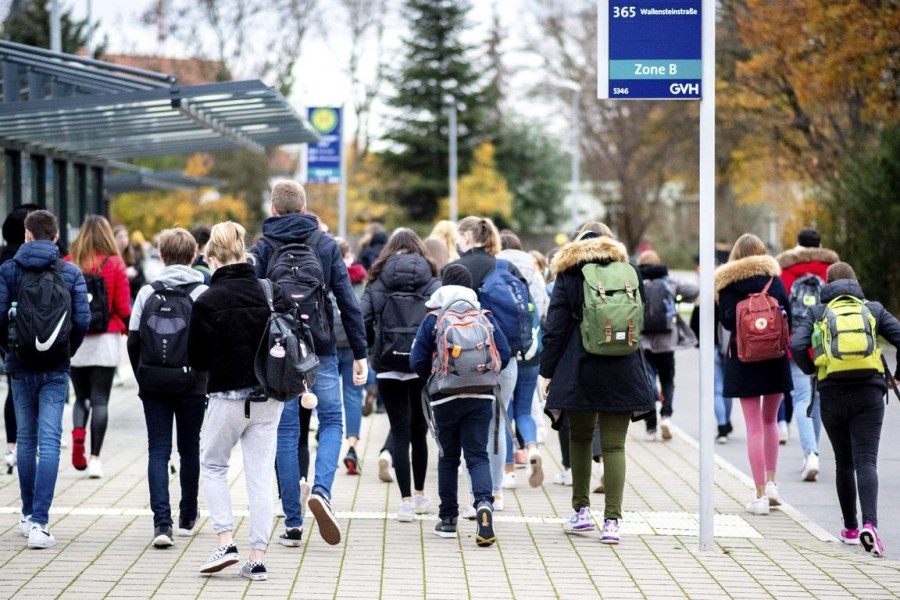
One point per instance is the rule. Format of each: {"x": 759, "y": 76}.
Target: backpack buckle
{"x": 630, "y": 293}
{"x": 630, "y": 332}
{"x": 608, "y": 331}
{"x": 600, "y": 291}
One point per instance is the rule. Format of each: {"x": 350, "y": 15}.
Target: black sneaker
{"x": 445, "y": 528}
{"x": 186, "y": 527}
{"x": 329, "y": 528}
{"x": 162, "y": 536}
{"x": 291, "y": 537}
{"x": 484, "y": 519}
{"x": 351, "y": 461}
{"x": 255, "y": 571}
{"x": 223, "y": 557}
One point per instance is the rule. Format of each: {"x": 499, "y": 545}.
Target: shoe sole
{"x": 162, "y": 541}
{"x": 850, "y": 542}
{"x": 222, "y": 563}
{"x": 185, "y": 532}
{"x": 328, "y": 526}
{"x": 405, "y": 519}
{"x": 40, "y": 546}
{"x": 352, "y": 466}
{"x": 580, "y": 531}
{"x": 484, "y": 535}
{"x": 445, "y": 534}
{"x": 666, "y": 433}
{"x": 868, "y": 543}
{"x": 290, "y": 543}
{"x": 609, "y": 541}
{"x": 255, "y": 576}
{"x": 384, "y": 471}
{"x": 537, "y": 472}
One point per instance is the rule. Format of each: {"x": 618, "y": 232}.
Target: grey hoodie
{"x": 171, "y": 276}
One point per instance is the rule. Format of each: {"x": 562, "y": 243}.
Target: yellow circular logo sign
{"x": 324, "y": 120}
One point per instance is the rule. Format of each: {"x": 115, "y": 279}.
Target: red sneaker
{"x": 79, "y": 460}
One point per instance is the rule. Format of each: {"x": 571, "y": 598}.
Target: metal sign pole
{"x": 342, "y": 194}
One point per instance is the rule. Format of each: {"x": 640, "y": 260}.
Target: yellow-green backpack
{"x": 845, "y": 340}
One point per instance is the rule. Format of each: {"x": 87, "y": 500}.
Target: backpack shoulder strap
{"x": 267, "y": 291}
{"x": 102, "y": 264}
{"x": 276, "y": 244}
{"x": 502, "y": 263}
{"x": 765, "y": 290}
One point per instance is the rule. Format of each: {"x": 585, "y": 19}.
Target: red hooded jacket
{"x": 117, "y": 288}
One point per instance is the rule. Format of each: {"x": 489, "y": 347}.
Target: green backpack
{"x": 613, "y": 309}
{"x": 845, "y": 340}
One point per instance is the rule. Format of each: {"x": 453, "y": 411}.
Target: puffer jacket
{"x": 802, "y": 260}
{"x": 39, "y": 255}
{"x": 681, "y": 335}
{"x": 734, "y": 282}
{"x": 886, "y": 325}
{"x": 582, "y": 381}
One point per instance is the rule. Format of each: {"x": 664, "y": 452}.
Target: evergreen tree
{"x": 28, "y": 22}
{"x": 437, "y": 70}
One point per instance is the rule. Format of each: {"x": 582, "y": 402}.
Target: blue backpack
{"x": 507, "y": 297}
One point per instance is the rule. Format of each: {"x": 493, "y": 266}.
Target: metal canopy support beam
{"x": 200, "y": 117}
{"x": 13, "y": 160}
{"x": 61, "y": 197}
{"x": 39, "y": 180}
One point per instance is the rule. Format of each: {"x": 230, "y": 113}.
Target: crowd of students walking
{"x": 463, "y": 334}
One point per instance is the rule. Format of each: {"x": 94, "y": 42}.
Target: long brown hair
{"x": 404, "y": 241}
{"x": 483, "y": 231}
{"x": 95, "y": 237}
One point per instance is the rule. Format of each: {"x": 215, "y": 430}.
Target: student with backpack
{"x": 664, "y": 332}
{"x": 841, "y": 333}
{"x": 295, "y": 253}
{"x": 228, "y": 322}
{"x": 592, "y": 368}
{"x": 502, "y": 290}
{"x": 44, "y": 316}
{"x": 803, "y": 270}
{"x": 169, "y": 389}
{"x": 754, "y": 307}
{"x": 460, "y": 350}
{"x": 94, "y": 365}
{"x": 400, "y": 283}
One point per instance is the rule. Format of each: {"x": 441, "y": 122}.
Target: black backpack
{"x": 43, "y": 317}
{"x": 395, "y": 330}
{"x": 659, "y": 309}
{"x": 296, "y": 267}
{"x": 98, "y": 298}
{"x": 164, "y": 366}
{"x": 286, "y": 363}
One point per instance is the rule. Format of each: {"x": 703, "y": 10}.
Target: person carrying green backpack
{"x": 841, "y": 334}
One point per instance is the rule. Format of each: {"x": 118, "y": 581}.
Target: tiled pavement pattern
{"x": 104, "y": 529}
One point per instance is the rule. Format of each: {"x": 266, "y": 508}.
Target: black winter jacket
{"x": 582, "y": 381}
{"x": 885, "y": 324}
{"x": 227, "y": 325}
{"x": 734, "y": 282}
{"x": 298, "y": 228}
{"x": 481, "y": 264}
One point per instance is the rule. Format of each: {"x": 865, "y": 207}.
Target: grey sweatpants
{"x": 225, "y": 426}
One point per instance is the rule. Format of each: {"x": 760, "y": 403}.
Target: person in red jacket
{"x": 94, "y": 251}
{"x": 803, "y": 272}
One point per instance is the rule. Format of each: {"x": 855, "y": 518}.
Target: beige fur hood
{"x": 577, "y": 253}
{"x": 745, "y": 268}
{"x": 800, "y": 255}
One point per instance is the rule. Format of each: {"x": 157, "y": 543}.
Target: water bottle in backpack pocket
{"x": 508, "y": 299}
{"x": 163, "y": 366}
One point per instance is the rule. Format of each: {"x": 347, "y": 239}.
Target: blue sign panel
{"x": 323, "y": 159}
{"x": 649, "y": 49}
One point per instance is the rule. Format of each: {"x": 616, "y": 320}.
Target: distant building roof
{"x": 188, "y": 71}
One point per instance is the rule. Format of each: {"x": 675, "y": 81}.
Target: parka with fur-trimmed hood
{"x": 582, "y": 381}
{"x": 735, "y": 281}
{"x": 802, "y": 260}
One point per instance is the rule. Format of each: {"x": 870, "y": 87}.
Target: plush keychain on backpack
{"x": 308, "y": 400}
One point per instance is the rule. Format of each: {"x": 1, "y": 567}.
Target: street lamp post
{"x": 576, "y": 154}
{"x": 454, "y": 202}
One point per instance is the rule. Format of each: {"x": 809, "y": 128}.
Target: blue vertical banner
{"x": 323, "y": 159}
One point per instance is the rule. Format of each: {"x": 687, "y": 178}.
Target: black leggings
{"x": 9, "y": 413}
{"x": 92, "y": 389}
{"x": 403, "y": 403}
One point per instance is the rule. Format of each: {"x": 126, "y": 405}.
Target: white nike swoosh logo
{"x": 44, "y": 346}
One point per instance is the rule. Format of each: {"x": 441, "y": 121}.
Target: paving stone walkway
{"x": 104, "y": 528}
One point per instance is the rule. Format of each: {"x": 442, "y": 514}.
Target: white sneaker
{"x": 279, "y": 509}
{"x": 10, "y": 457}
{"x": 651, "y": 436}
{"x": 665, "y": 428}
{"x": 422, "y": 504}
{"x": 498, "y": 502}
{"x": 810, "y": 467}
{"x": 760, "y": 506}
{"x": 406, "y": 513}
{"x": 95, "y": 468}
{"x": 39, "y": 537}
{"x": 385, "y": 466}
{"x": 563, "y": 477}
{"x": 536, "y": 478}
{"x": 25, "y": 524}
{"x": 471, "y": 513}
{"x": 305, "y": 489}
{"x": 509, "y": 480}
{"x": 784, "y": 432}
{"x": 772, "y": 494}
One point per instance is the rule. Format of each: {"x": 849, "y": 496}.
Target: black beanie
{"x": 457, "y": 274}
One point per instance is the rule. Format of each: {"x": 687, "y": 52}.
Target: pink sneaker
{"x": 870, "y": 540}
{"x": 850, "y": 536}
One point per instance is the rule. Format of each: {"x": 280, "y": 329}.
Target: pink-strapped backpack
{"x": 761, "y": 327}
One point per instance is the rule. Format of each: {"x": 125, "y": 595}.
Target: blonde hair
{"x": 483, "y": 231}
{"x": 649, "y": 257}
{"x": 177, "y": 247}
{"x": 747, "y": 245}
{"x": 288, "y": 197}
{"x": 445, "y": 232}
{"x": 226, "y": 243}
{"x": 95, "y": 237}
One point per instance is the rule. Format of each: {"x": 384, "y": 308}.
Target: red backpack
{"x": 761, "y": 327}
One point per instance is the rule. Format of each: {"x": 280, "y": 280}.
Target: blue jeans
{"x": 723, "y": 405}
{"x": 287, "y": 464}
{"x": 331, "y": 427}
{"x": 520, "y": 408}
{"x": 809, "y": 428}
{"x": 352, "y": 393}
{"x": 39, "y": 398}
{"x": 462, "y": 425}
{"x": 159, "y": 411}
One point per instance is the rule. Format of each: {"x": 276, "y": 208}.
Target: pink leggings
{"x": 762, "y": 434}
